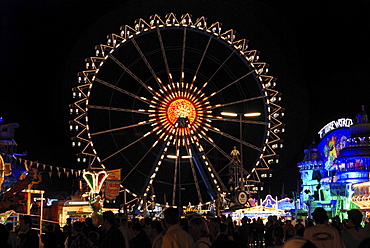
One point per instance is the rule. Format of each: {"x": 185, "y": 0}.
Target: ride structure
{"x": 332, "y": 168}
{"x": 159, "y": 101}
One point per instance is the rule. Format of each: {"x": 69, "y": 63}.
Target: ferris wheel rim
{"x": 222, "y": 41}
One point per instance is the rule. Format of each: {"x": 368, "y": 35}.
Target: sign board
{"x": 340, "y": 123}
{"x": 112, "y": 184}
{"x": 242, "y": 198}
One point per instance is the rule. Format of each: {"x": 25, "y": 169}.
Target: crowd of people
{"x": 194, "y": 231}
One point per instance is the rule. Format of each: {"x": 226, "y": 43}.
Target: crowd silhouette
{"x": 194, "y": 231}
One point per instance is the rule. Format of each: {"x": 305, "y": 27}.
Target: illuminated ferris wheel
{"x": 167, "y": 100}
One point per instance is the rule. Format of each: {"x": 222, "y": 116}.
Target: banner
{"x": 112, "y": 184}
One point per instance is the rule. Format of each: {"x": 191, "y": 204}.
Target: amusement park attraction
{"x": 165, "y": 101}
{"x": 339, "y": 164}
{"x": 169, "y": 112}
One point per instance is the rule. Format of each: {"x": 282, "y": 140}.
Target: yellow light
{"x": 229, "y": 114}
{"x": 172, "y": 156}
{"x": 252, "y": 114}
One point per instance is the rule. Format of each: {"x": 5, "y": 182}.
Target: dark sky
{"x": 319, "y": 53}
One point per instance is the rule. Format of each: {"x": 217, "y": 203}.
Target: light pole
{"x": 240, "y": 180}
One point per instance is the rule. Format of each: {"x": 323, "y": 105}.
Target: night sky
{"x": 319, "y": 53}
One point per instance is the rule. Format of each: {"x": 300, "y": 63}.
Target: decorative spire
{"x": 362, "y": 116}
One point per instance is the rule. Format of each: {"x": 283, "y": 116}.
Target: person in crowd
{"x": 309, "y": 222}
{"x": 230, "y": 224}
{"x": 89, "y": 226}
{"x": 277, "y": 237}
{"x": 288, "y": 229}
{"x": 28, "y": 238}
{"x": 126, "y": 231}
{"x": 223, "y": 240}
{"x": 93, "y": 238}
{"x": 260, "y": 229}
{"x": 175, "y": 236}
{"x": 68, "y": 225}
{"x": 198, "y": 229}
{"x": 299, "y": 228}
{"x": 65, "y": 236}
{"x": 156, "y": 232}
{"x": 58, "y": 232}
{"x": 50, "y": 238}
{"x": 112, "y": 236}
{"x": 214, "y": 228}
{"x": 146, "y": 226}
{"x": 298, "y": 242}
{"x": 79, "y": 240}
{"x": 12, "y": 240}
{"x": 4, "y": 236}
{"x": 355, "y": 233}
{"x": 365, "y": 243}
{"x": 140, "y": 239}
{"x": 184, "y": 224}
{"x": 253, "y": 231}
{"x": 335, "y": 222}
{"x": 269, "y": 228}
{"x": 243, "y": 231}
{"x": 321, "y": 234}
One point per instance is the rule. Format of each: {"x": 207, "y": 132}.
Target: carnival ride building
{"x": 331, "y": 168}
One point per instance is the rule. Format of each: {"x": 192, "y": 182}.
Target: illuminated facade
{"x": 331, "y": 168}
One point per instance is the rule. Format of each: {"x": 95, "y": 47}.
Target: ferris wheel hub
{"x": 181, "y": 108}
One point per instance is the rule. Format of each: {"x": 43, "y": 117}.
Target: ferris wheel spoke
{"x": 235, "y": 81}
{"x": 220, "y": 118}
{"x": 183, "y": 55}
{"x": 188, "y": 149}
{"x": 142, "y": 55}
{"x": 236, "y": 102}
{"x": 237, "y": 139}
{"x": 219, "y": 149}
{"x": 121, "y": 128}
{"x": 223, "y": 153}
{"x": 164, "y": 55}
{"x": 122, "y": 149}
{"x": 219, "y": 68}
{"x": 143, "y": 99}
{"x": 201, "y": 60}
{"x": 136, "y": 165}
{"x": 140, "y": 111}
{"x": 177, "y": 164}
{"x": 155, "y": 168}
{"x": 148, "y": 88}
{"x": 213, "y": 178}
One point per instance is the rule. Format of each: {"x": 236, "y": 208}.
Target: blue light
{"x": 330, "y": 146}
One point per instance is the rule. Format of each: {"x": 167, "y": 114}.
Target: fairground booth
{"x": 333, "y": 169}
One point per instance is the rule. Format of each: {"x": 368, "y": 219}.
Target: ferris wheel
{"x": 167, "y": 99}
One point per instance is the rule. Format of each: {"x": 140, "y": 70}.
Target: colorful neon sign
{"x": 95, "y": 180}
{"x": 331, "y": 144}
{"x": 340, "y": 123}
